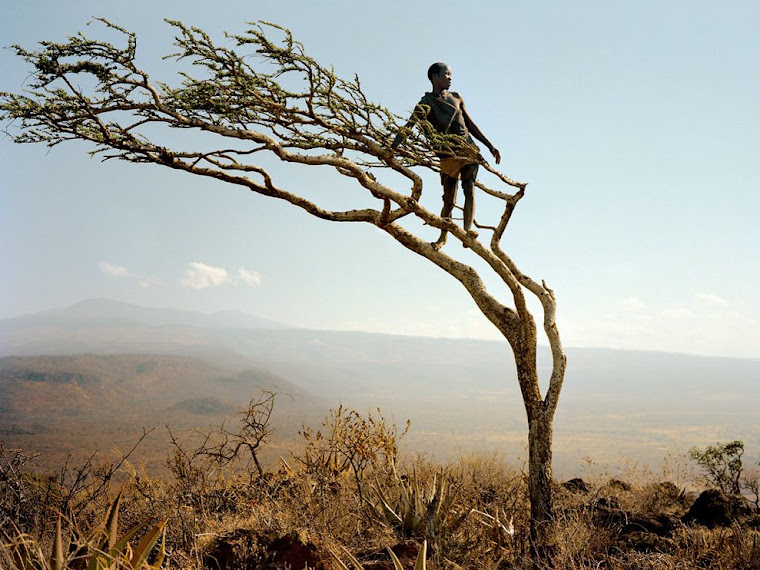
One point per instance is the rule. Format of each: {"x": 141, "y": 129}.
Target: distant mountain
{"x": 460, "y": 394}
{"x": 107, "y": 310}
{"x": 105, "y": 326}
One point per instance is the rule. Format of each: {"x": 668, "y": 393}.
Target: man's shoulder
{"x": 429, "y": 97}
{"x": 426, "y": 98}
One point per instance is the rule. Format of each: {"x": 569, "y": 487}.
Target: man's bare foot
{"x": 471, "y": 233}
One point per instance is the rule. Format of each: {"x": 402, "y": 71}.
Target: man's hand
{"x": 496, "y": 154}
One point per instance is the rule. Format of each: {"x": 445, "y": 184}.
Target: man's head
{"x": 439, "y": 75}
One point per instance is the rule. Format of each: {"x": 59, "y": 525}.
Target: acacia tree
{"x": 274, "y": 99}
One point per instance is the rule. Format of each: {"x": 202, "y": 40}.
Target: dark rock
{"x": 250, "y": 550}
{"x": 291, "y": 552}
{"x": 713, "y": 508}
{"x": 659, "y": 525}
{"x": 624, "y": 522}
{"x": 610, "y": 502}
{"x": 576, "y": 485}
{"x": 619, "y": 485}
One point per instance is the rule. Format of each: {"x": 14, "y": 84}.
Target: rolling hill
{"x": 62, "y": 406}
{"x": 461, "y": 394}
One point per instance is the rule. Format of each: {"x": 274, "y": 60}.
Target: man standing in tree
{"x": 444, "y": 110}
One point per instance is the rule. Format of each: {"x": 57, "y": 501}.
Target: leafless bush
{"x": 349, "y": 444}
{"x": 18, "y": 490}
{"x": 29, "y": 501}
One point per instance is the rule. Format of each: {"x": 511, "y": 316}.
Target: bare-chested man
{"x": 446, "y": 112}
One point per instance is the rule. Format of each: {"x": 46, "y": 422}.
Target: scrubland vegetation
{"x": 347, "y": 498}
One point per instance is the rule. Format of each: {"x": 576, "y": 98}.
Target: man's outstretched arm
{"x": 399, "y": 137}
{"x": 476, "y": 132}
{"x": 418, "y": 114}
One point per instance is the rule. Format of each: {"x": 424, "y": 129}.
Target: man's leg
{"x": 449, "y": 198}
{"x": 469, "y": 173}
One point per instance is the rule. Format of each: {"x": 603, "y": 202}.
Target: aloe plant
{"x": 102, "y": 550}
{"x": 418, "y": 511}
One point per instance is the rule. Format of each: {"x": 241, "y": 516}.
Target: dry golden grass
{"x": 223, "y": 515}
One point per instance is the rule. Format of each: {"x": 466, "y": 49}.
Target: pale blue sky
{"x": 635, "y": 123}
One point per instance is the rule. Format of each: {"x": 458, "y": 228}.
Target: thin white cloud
{"x": 252, "y": 278}
{"x": 148, "y": 282}
{"x": 113, "y": 270}
{"x": 678, "y": 313}
{"x": 711, "y": 299}
{"x": 202, "y": 276}
{"x": 633, "y": 303}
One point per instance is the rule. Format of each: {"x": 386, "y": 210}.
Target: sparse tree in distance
{"x": 282, "y": 102}
{"x": 722, "y": 464}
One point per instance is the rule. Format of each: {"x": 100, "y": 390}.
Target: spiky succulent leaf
{"x": 396, "y": 562}
{"x": 420, "y": 564}
{"x": 57, "y": 560}
{"x": 161, "y": 552}
{"x": 141, "y": 553}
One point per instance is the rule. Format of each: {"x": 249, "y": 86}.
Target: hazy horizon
{"x": 239, "y": 312}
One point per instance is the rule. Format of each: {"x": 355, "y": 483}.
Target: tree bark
{"x": 540, "y": 415}
{"x": 540, "y": 481}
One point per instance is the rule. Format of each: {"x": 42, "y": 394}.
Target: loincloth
{"x": 452, "y": 165}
